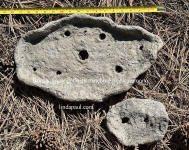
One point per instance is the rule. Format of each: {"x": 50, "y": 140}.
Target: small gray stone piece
{"x": 138, "y": 121}
{"x": 80, "y": 57}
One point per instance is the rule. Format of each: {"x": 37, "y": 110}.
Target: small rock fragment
{"x": 138, "y": 121}
{"x": 80, "y": 57}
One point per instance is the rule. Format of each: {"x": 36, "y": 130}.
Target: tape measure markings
{"x": 130, "y": 9}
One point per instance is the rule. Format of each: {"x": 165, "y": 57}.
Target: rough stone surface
{"x": 138, "y": 121}
{"x": 80, "y": 57}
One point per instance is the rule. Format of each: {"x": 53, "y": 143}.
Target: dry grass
{"x": 30, "y": 119}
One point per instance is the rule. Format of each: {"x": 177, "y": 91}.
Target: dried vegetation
{"x": 30, "y": 118}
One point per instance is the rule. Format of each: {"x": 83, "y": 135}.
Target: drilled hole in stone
{"x": 34, "y": 69}
{"x": 58, "y": 72}
{"x": 83, "y": 54}
{"x": 125, "y": 120}
{"x": 102, "y": 36}
{"x": 67, "y": 33}
{"x": 146, "y": 119}
{"x": 118, "y": 69}
{"x": 141, "y": 47}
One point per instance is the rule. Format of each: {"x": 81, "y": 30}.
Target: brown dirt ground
{"x": 31, "y": 119}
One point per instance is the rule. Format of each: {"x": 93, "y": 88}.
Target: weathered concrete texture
{"x": 80, "y": 57}
{"x": 138, "y": 121}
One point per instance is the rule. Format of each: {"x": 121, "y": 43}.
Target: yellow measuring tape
{"x": 88, "y": 10}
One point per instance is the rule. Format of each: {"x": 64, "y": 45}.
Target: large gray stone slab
{"x": 138, "y": 121}
{"x": 80, "y": 57}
